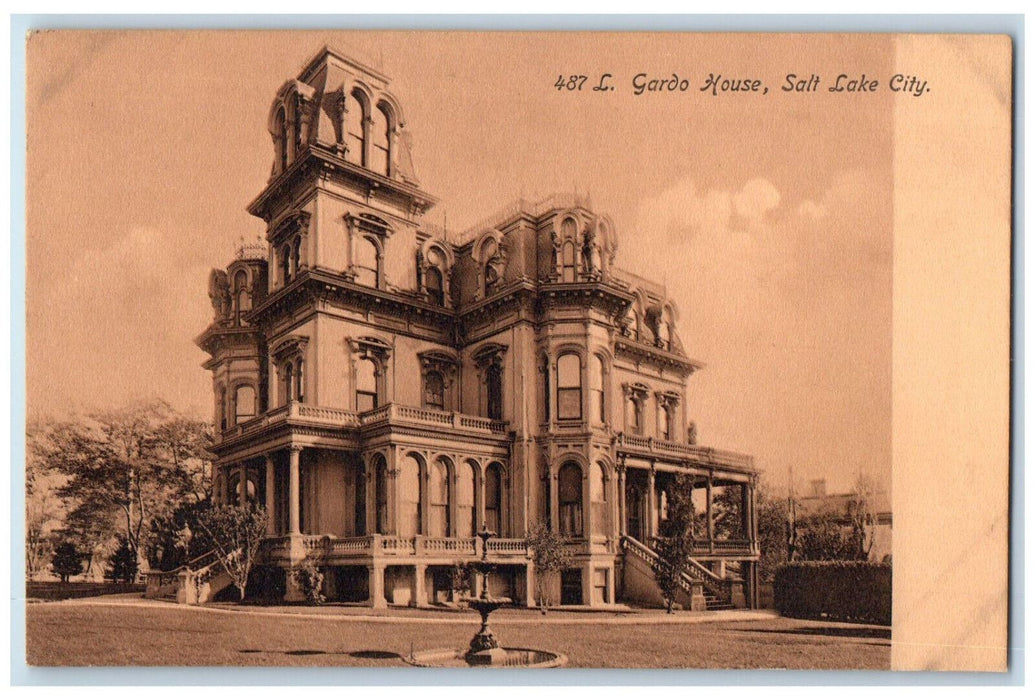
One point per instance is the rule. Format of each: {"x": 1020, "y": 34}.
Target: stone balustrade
{"x": 389, "y": 413}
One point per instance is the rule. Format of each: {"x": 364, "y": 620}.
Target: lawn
{"x": 72, "y": 633}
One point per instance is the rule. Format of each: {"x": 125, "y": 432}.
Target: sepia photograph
{"x": 442, "y": 349}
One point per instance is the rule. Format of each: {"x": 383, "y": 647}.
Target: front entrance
{"x": 634, "y": 505}
{"x": 571, "y": 587}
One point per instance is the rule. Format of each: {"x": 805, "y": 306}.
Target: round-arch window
{"x": 569, "y": 495}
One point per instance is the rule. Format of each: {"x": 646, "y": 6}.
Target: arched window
{"x": 569, "y": 495}
{"x": 242, "y": 301}
{"x": 493, "y": 498}
{"x": 379, "y": 141}
{"x": 244, "y": 403}
{"x": 296, "y": 256}
{"x": 235, "y": 489}
{"x": 299, "y": 389}
{"x": 360, "y": 502}
{"x": 282, "y": 142}
{"x": 367, "y": 262}
{"x": 568, "y": 261}
{"x": 465, "y": 515}
{"x": 434, "y": 287}
{"x": 287, "y": 383}
{"x": 285, "y": 264}
{"x": 569, "y": 387}
{"x": 596, "y": 388}
{"x": 438, "y": 499}
{"x": 598, "y": 499}
{"x": 380, "y": 468}
{"x": 494, "y": 391}
{"x": 298, "y": 127}
{"x": 410, "y": 493}
{"x": 355, "y": 118}
{"x": 434, "y": 390}
{"x": 366, "y": 385}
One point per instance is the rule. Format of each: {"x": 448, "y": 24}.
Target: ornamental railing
{"x": 704, "y": 455}
{"x": 343, "y": 418}
{"x": 323, "y": 546}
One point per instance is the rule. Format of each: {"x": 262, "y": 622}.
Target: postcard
{"x": 518, "y": 349}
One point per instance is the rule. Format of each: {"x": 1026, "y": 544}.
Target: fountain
{"x": 485, "y": 649}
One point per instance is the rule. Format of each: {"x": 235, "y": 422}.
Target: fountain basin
{"x": 501, "y": 657}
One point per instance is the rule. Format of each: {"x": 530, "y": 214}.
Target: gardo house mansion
{"x": 385, "y": 390}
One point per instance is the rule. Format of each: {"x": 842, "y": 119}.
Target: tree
{"x": 126, "y": 468}
{"x": 862, "y": 513}
{"x": 236, "y": 532}
{"x": 549, "y": 556}
{"x": 67, "y": 561}
{"x": 824, "y": 537}
{"x": 122, "y": 566}
{"x": 675, "y": 546}
{"x": 43, "y": 508}
{"x": 772, "y": 516}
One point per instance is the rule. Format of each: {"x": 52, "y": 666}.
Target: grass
{"x": 76, "y": 634}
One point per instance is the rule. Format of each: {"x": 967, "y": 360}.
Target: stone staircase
{"x": 701, "y": 588}
{"x": 196, "y": 582}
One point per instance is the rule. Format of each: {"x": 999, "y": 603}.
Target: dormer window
{"x": 379, "y": 130}
{"x": 355, "y": 127}
{"x": 282, "y": 141}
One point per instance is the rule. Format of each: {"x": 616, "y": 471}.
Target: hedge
{"x": 849, "y": 591}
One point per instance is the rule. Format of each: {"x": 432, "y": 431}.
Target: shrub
{"x": 67, "y": 561}
{"x": 310, "y": 580}
{"x": 849, "y": 591}
{"x": 123, "y": 563}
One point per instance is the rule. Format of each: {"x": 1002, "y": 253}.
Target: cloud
{"x": 788, "y": 305}
{"x": 756, "y": 199}
{"x": 117, "y": 323}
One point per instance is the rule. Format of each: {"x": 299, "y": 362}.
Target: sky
{"x": 768, "y": 217}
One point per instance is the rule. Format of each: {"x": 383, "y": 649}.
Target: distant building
{"x": 875, "y": 508}
{"x": 385, "y": 389}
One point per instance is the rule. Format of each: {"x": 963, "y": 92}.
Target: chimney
{"x": 819, "y": 487}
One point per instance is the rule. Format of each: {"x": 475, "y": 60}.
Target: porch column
{"x": 622, "y": 526}
{"x": 271, "y": 497}
{"x": 376, "y": 586}
{"x": 530, "y": 601}
{"x": 293, "y": 526}
{"x": 652, "y": 522}
{"x": 224, "y": 489}
{"x": 242, "y": 484}
{"x": 479, "y": 498}
{"x": 708, "y": 514}
{"x": 420, "y": 593}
